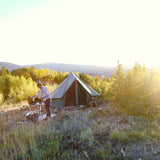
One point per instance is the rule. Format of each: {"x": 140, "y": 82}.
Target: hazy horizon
{"x": 86, "y": 32}
{"x": 57, "y": 63}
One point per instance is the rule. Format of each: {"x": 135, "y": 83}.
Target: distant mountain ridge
{"x": 9, "y": 66}
{"x": 88, "y": 69}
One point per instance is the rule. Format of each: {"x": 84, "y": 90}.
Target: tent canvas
{"x": 72, "y": 92}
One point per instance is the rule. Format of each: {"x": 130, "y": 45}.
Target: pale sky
{"x": 92, "y": 32}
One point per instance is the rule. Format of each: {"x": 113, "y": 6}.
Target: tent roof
{"x": 65, "y": 85}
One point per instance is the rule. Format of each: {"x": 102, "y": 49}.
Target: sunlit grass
{"x": 72, "y": 135}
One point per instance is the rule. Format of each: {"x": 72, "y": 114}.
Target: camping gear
{"x": 35, "y": 102}
{"x": 92, "y": 102}
{"x": 32, "y": 101}
{"x": 72, "y": 92}
{"x": 32, "y": 116}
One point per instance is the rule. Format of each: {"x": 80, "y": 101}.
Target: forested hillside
{"x": 136, "y": 90}
{"x": 88, "y": 69}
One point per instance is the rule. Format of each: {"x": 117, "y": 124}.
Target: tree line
{"x": 136, "y": 91}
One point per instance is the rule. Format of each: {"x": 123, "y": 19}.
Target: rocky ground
{"x": 136, "y": 147}
{"x": 125, "y": 137}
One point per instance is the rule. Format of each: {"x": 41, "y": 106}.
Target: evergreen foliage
{"x": 136, "y": 90}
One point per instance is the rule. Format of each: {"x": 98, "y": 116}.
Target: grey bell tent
{"x": 72, "y": 92}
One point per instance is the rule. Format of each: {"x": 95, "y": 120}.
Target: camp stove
{"x": 36, "y": 101}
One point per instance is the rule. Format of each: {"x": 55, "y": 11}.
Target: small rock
{"x": 114, "y": 150}
{"x": 131, "y": 117}
{"x": 123, "y": 121}
{"x": 133, "y": 123}
{"x": 155, "y": 152}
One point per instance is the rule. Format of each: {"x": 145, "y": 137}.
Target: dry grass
{"x": 79, "y": 134}
{"x": 4, "y": 107}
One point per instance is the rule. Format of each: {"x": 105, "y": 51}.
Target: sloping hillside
{"x": 88, "y": 69}
{"x": 9, "y": 66}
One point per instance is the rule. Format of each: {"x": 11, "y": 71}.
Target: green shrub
{"x": 136, "y": 91}
{"x": 101, "y": 153}
{"x": 119, "y": 135}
